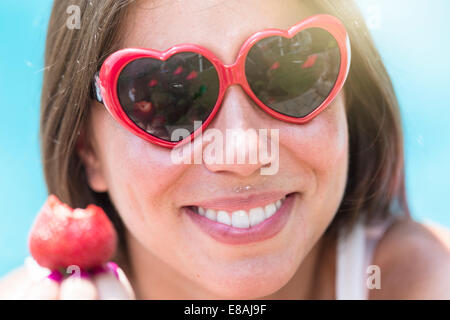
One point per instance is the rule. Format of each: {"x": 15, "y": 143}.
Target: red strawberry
{"x": 62, "y": 236}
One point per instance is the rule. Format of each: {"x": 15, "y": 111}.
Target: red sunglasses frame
{"x": 106, "y": 81}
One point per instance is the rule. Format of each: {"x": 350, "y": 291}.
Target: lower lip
{"x": 231, "y": 235}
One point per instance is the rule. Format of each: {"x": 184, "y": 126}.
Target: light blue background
{"x": 413, "y": 37}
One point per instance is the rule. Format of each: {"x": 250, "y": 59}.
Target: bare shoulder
{"x": 414, "y": 260}
{"x": 13, "y": 284}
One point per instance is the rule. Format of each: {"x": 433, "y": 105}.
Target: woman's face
{"x": 151, "y": 192}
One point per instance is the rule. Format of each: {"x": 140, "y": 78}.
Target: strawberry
{"x": 62, "y": 236}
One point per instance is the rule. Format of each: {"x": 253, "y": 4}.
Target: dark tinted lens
{"x": 294, "y": 76}
{"x": 161, "y": 96}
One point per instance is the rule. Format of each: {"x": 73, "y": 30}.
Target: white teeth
{"x": 269, "y": 210}
{"x": 256, "y": 216}
{"x": 211, "y": 214}
{"x": 242, "y": 218}
{"x": 223, "y": 217}
{"x": 239, "y": 219}
{"x": 277, "y": 204}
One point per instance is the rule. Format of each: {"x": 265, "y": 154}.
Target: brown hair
{"x": 376, "y": 181}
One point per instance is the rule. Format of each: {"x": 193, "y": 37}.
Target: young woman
{"x": 331, "y": 223}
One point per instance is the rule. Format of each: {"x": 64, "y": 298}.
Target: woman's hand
{"x": 107, "y": 282}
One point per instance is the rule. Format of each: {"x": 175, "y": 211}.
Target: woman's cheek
{"x": 138, "y": 174}
{"x": 323, "y": 142}
{"x": 319, "y": 149}
{"x": 332, "y": 162}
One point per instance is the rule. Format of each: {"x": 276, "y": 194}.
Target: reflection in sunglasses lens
{"x": 161, "y": 96}
{"x": 294, "y": 76}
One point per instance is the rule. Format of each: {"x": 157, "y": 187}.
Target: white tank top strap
{"x": 353, "y": 256}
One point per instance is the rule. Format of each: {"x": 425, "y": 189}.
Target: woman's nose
{"x": 237, "y": 124}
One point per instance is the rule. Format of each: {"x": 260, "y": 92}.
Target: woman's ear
{"x": 92, "y": 165}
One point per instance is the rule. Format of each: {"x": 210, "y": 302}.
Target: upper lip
{"x": 244, "y": 202}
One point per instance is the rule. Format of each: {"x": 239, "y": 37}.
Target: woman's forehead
{"x": 219, "y": 25}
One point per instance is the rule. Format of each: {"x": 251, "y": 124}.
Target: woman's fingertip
{"x": 36, "y": 272}
{"x": 78, "y": 288}
{"x": 120, "y": 274}
{"x": 45, "y": 289}
{"x": 113, "y": 267}
{"x": 105, "y": 279}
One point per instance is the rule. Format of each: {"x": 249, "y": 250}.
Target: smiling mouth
{"x": 243, "y": 219}
{"x": 241, "y": 223}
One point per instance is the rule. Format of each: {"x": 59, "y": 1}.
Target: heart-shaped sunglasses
{"x": 292, "y": 75}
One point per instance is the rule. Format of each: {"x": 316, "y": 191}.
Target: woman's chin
{"x": 248, "y": 284}
{"x": 249, "y": 291}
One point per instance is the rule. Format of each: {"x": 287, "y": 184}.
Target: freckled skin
{"x": 170, "y": 256}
